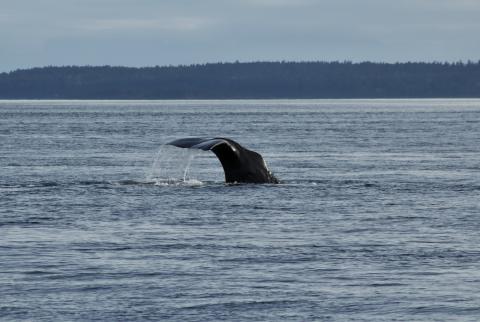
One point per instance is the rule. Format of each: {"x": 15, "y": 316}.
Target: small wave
{"x": 92, "y": 182}
{"x": 133, "y": 182}
{"x": 242, "y": 304}
{"x": 301, "y": 183}
{"x": 28, "y": 185}
{"x": 162, "y": 182}
{"x": 31, "y": 221}
{"x": 177, "y": 182}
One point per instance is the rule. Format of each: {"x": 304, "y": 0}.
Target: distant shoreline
{"x": 236, "y": 101}
{"x": 247, "y": 81}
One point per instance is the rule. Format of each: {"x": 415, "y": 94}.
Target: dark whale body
{"x": 239, "y": 164}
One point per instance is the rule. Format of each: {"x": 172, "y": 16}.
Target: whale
{"x": 240, "y": 165}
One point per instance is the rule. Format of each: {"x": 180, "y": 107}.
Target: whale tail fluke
{"x": 239, "y": 164}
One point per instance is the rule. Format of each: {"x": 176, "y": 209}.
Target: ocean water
{"x": 377, "y": 216}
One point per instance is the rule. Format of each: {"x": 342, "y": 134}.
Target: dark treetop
{"x": 246, "y": 80}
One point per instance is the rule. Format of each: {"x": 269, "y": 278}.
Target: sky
{"x": 35, "y": 33}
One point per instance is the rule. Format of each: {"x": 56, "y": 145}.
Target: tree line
{"x": 246, "y": 80}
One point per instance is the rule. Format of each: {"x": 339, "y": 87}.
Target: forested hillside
{"x": 246, "y": 80}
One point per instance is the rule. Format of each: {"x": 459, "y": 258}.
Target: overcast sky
{"x": 164, "y": 32}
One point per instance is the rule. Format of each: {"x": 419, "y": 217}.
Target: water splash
{"x": 189, "y": 162}
{"x": 171, "y": 166}
{"x": 170, "y": 182}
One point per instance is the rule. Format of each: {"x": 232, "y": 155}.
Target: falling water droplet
{"x": 171, "y": 165}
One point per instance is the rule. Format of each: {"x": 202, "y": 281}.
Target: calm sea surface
{"x": 377, "y": 216}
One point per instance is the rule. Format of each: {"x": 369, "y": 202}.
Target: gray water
{"x": 377, "y": 216}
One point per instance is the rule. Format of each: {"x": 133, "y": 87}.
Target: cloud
{"x": 162, "y": 24}
{"x": 146, "y": 32}
{"x": 280, "y": 3}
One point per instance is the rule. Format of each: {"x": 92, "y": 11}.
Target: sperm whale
{"x": 239, "y": 164}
